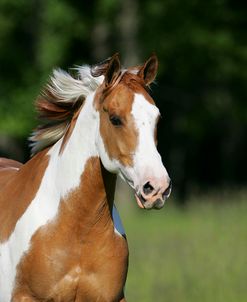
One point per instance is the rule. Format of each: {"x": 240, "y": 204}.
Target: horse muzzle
{"x": 149, "y": 198}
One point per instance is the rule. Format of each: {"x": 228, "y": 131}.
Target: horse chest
{"x": 76, "y": 272}
{"x": 82, "y": 284}
{"x": 99, "y": 273}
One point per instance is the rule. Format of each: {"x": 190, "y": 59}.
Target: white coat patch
{"x": 71, "y": 163}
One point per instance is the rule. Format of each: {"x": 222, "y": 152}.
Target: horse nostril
{"x": 168, "y": 190}
{"x": 147, "y": 188}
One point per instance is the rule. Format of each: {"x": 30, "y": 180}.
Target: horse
{"x": 61, "y": 238}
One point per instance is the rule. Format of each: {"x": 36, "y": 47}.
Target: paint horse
{"x": 59, "y": 235}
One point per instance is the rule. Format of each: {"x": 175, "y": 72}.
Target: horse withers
{"x": 59, "y": 230}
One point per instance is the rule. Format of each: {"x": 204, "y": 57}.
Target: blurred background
{"x": 196, "y": 250}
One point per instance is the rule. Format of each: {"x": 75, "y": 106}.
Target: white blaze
{"x": 147, "y": 163}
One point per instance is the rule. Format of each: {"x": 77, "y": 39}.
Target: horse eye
{"x": 115, "y": 120}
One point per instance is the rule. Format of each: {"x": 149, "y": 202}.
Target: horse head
{"x": 126, "y": 138}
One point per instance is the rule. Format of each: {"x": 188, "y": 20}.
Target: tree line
{"x": 200, "y": 88}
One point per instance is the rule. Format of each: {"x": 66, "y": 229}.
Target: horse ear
{"x": 110, "y": 68}
{"x": 113, "y": 70}
{"x": 149, "y": 70}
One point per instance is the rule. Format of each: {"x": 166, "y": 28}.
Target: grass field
{"x": 194, "y": 254}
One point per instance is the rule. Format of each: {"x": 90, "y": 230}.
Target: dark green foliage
{"x": 201, "y": 85}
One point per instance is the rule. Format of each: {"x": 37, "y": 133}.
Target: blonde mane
{"x": 57, "y": 104}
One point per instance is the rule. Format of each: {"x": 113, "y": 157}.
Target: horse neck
{"x": 88, "y": 208}
{"x": 86, "y": 189}
{"x": 69, "y": 156}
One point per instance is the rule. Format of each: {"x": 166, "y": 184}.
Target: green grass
{"x": 195, "y": 254}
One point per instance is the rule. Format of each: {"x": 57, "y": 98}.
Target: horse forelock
{"x": 61, "y": 98}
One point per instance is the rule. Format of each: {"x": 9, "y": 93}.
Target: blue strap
{"x": 117, "y": 221}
